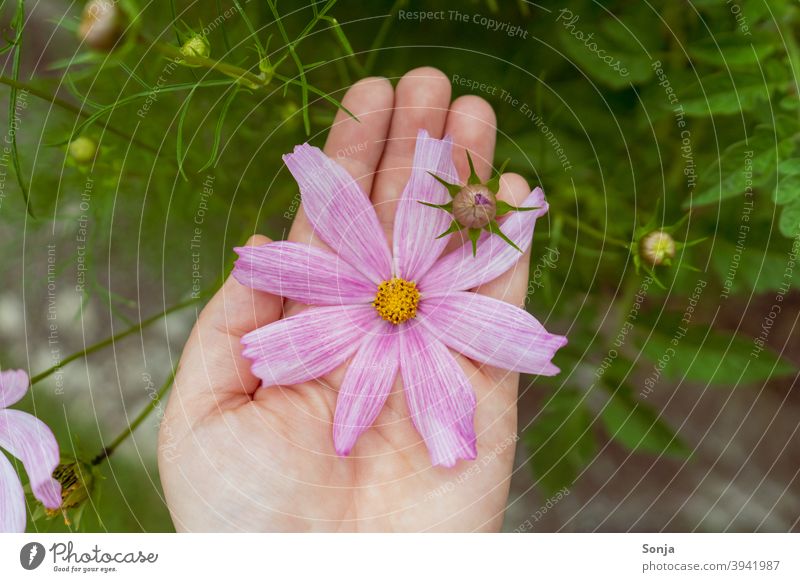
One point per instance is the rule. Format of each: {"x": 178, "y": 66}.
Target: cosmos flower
{"x": 30, "y": 440}
{"x": 404, "y": 310}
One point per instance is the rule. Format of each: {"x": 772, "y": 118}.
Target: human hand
{"x": 244, "y": 457}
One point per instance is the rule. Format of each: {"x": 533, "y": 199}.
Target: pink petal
{"x": 459, "y": 270}
{"x": 491, "y": 331}
{"x": 367, "y": 383}
{"x": 309, "y": 344}
{"x": 340, "y": 212}
{"x": 301, "y": 272}
{"x": 416, "y": 226}
{"x": 439, "y": 395}
{"x": 13, "y": 386}
{"x": 32, "y": 442}
{"x": 12, "y": 499}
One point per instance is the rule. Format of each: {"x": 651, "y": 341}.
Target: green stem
{"x": 590, "y": 230}
{"x": 109, "y": 341}
{"x": 381, "y": 36}
{"x": 50, "y": 98}
{"x": 109, "y": 449}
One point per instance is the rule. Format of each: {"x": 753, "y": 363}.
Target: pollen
{"x": 396, "y": 300}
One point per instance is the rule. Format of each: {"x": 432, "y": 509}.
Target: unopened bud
{"x": 102, "y": 25}
{"x": 82, "y": 150}
{"x": 657, "y": 248}
{"x": 196, "y": 46}
{"x": 474, "y": 206}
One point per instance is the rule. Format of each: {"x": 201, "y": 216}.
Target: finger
{"x": 422, "y": 99}
{"x": 356, "y": 145}
{"x": 213, "y": 374}
{"x": 472, "y": 123}
{"x": 512, "y": 286}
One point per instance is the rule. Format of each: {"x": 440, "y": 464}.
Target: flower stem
{"x": 108, "y": 341}
{"x": 591, "y": 231}
{"x": 109, "y": 449}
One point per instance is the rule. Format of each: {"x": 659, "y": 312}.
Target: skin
{"x": 238, "y": 456}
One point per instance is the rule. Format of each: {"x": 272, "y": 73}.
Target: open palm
{"x": 235, "y": 455}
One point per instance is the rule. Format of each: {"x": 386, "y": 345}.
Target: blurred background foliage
{"x": 617, "y": 158}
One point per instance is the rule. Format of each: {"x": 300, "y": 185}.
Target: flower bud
{"x": 102, "y": 25}
{"x": 196, "y": 46}
{"x": 82, "y": 150}
{"x": 474, "y": 206}
{"x": 657, "y": 248}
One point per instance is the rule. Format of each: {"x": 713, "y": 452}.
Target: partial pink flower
{"x": 31, "y": 441}
{"x": 404, "y": 310}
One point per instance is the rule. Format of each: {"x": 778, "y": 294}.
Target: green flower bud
{"x": 102, "y": 25}
{"x": 196, "y": 46}
{"x": 83, "y": 150}
{"x": 657, "y": 248}
{"x": 474, "y": 206}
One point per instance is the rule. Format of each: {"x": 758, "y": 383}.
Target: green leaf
{"x": 560, "y": 441}
{"x": 726, "y": 178}
{"x": 638, "y": 427}
{"x": 731, "y": 49}
{"x": 494, "y": 228}
{"x": 786, "y": 189}
{"x": 454, "y": 227}
{"x": 452, "y": 189}
{"x": 717, "y": 358}
{"x": 504, "y": 208}
{"x": 474, "y": 235}
{"x": 473, "y": 175}
{"x": 790, "y": 219}
{"x": 764, "y": 268}
{"x": 719, "y": 94}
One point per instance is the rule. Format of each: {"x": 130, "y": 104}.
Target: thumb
{"x": 212, "y": 374}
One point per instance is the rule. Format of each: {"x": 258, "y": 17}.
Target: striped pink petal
{"x": 32, "y": 442}
{"x": 366, "y": 385}
{"x": 301, "y": 272}
{"x": 13, "y": 387}
{"x": 12, "y": 499}
{"x": 309, "y": 344}
{"x": 439, "y": 395}
{"x": 340, "y": 212}
{"x": 460, "y": 270}
{"x": 492, "y": 332}
{"x": 416, "y": 226}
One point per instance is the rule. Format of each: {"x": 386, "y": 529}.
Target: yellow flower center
{"x": 396, "y": 300}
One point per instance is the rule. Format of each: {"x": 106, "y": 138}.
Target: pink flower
{"x": 394, "y": 310}
{"x": 32, "y": 442}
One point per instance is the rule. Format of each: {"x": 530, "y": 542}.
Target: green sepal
{"x": 473, "y": 175}
{"x": 504, "y": 208}
{"x": 452, "y": 189}
{"x": 448, "y": 207}
{"x": 474, "y": 235}
{"x": 494, "y": 228}
{"x": 494, "y": 182}
{"x": 454, "y": 227}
